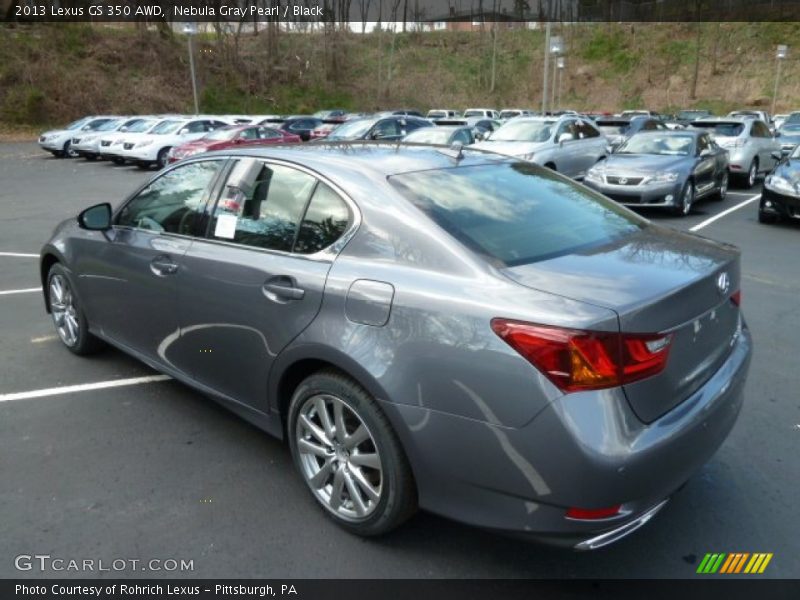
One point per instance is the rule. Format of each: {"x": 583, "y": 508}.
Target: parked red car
{"x": 232, "y": 137}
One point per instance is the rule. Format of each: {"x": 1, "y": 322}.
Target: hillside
{"x": 51, "y": 74}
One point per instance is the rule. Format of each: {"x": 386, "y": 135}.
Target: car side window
{"x": 262, "y": 205}
{"x": 195, "y": 127}
{"x": 567, "y": 127}
{"x": 266, "y": 133}
{"x": 217, "y": 125}
{"x": 702, "y": 144}
{"x": 386, "y": 128}
{"x": 174, "y": 202}
{"x": 586, "y": 131}
{"x": 325, "y": 221}
{"x": 249, "y": 134}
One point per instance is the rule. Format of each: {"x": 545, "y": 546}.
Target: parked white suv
{"x": 59, "y": 141}
{"x": 154, "y": 146}
{"x": 488, "y": 113}
{"x": 87, "y": 144}
{"x": 567, "y": 144}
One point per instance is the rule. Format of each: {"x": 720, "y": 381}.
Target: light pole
{"x": 546, "y": 66}
{"x": 780, "y": 55}
{"x": 556, "y": 48}
{"x": 190, "y": 29}
{"x": 561, "y": 64}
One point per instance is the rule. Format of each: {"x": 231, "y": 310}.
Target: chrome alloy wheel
{"x": 339, "y": 458}
{"x": 62, "y": 307}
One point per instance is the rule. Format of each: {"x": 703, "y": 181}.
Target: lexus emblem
{"x": 723, "y": 283}
{"x": 623, "y": 180}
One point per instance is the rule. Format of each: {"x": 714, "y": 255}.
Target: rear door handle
{"x": 281, "y": 289}
{"x": 163, "y": 265}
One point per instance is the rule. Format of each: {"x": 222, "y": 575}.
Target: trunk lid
{"x": 657, "y": 281}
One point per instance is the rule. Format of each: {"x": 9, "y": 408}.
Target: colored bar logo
{"x": 736, "y": 562}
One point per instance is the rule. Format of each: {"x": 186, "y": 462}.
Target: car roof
{"x": 381, "y": 159}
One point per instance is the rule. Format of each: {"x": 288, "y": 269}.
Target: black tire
{"x": 686, "y": 201}
{"x": 398, "y": 496}
{"x": 84, "y": 343}
{"x": 767, "y": 218}
{"x": 143, "y": 165}
{"x": 68, "y": 152}
{"x": 722, "y": 190}
{"x": 161, "y": 161}
{"x": 118, "y": 161}
{"x": 750, "y": 178}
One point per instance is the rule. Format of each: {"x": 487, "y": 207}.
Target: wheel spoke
{"x": 315, "y": 430}
{"x": 338, "y": 417}
{"x": 312, "y": 448}
{"x": 336, "y": 491}
{"x": 321, "y": 478}
{"x": 365, "y": 485}
{"x": 359, "y": 435}
{"x": 369, "y": 459}
{"x": 324, "y": 417}
{"x": 72, "y": 326}
{"x": 355, "y": 495}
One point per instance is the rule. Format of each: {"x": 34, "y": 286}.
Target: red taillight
{"x": 736, "y": 297}
{"x": 576, "y": 360}
{"x": 590, "y": 514}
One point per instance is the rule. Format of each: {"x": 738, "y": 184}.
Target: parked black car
{"x": 380, "y": 128}
{"x": 780, "y": 198}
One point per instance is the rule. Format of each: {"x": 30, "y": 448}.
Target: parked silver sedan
{"x": 749, "y": 142}
{"x": 456, "y": 330}
{"x": 567, "y": 144}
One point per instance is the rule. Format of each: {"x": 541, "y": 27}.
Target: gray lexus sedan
{"x": 449, "y": 329}
{"x": 671, "y": 169}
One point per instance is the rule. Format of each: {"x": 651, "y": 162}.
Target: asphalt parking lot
{"x": 155, "y": 470}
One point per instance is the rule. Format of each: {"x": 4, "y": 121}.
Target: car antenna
{"x": 456, "y": 150}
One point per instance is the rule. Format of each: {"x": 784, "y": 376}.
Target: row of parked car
{"x": 637, "y": 158}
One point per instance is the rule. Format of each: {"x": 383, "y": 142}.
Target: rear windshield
{"x": 516, "y": 213}
{"x": 524, "y": 131}
{"x": 612, "y": 127}
{"x": 721, "y": 129}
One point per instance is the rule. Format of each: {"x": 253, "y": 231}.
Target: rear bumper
{"x": 586, "y": 450}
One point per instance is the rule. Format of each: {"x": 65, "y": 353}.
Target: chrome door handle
{"x": 163, "y": 265}
{"x": 285, "y": 290}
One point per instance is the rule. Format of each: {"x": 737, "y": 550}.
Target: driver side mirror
{"x": 480, "y": 135}
{"x": 777, "y": 155}
{"x": 183, "y": 131}
{"x": 96, "y": 218}
{"x": 565, "y": 137}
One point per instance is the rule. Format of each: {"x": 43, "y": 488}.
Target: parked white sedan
{"x": 87, "y": 144}
{"x": 154, "y": 146}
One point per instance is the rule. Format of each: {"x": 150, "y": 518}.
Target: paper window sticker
{"x": 226, "y": 227}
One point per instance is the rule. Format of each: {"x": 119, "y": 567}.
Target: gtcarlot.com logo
{"x": 735, "y": 562}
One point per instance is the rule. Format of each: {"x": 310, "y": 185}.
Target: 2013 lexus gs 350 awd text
{"x": 448, "y": 329}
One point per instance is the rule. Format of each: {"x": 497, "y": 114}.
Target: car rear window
{"x": 722, "y": 129}
{"x": 515, "y": 212}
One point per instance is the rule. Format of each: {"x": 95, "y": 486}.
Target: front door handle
{"x": 281, "y": 289}
{"x": 163, "y": 265}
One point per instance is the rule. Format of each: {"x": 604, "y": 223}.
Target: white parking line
{"x": 25, "y": 291}
{"x": 20, "y": 254}
{"x": 708, "y": 222}
{"x": 83, "y": 387}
